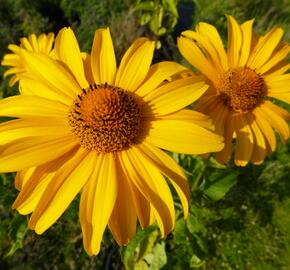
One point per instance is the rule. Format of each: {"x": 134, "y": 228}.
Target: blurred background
{"x": 245, "y": 226}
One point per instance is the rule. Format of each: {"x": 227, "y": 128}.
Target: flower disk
{"x": 105, "y": 119}
{"x": 241, "y": 89}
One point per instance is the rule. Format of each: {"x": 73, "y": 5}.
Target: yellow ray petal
{"x": 35, "y": 88}
{"x": 20, "y": 128}
{"x": 183, "y": 137}
{"x": 32, "y": 106}
{"x": 61, "y": 190}
{"x": 49, "y": 43}
{"x": 48, "y": 71}
{"x": 30, "y": 179}
{"x": 24, "y": 43}
{"x": 277, "y": 56}
{"x": 245, "y": 140}
{"x": 225, "y": 155}
{"x": 197, "y": 118}
{"x": 67, "y": 50}
{"x": 234, "y": 41}
{"x": 265, "y": 48}
{"x": 98, "y": 200}
{"x": 277, "y": 70}
{"x": 276, "y": 117}
{"x": 135, "y": 64}
{"x": 103, "y": 60}
{"x": 267, "y": 131}
{"x": 33, "y": 41}
{"x": 210, "y": 32}
{"x": 141, "y": 205}
{"x": 87, "y": 66}
{"x": 123, "y": 219}
{"x": 22, "y": 177}
{"x": 207, "y": 48}
{"x": 259, "y": 149}
{"x": 246, "y": 29}
{"x": 167, "y": 166}
{"x": 157, "y": 74}
{"x": 219, "y": 115}
{"x": 192, "y": 53}
{"x": 285, "y": 97}
{"x": 278, "y": 84}
{"x": 29, "y": 152}
{"x": 153, "y": 187}
{"x": 175, "y": 95}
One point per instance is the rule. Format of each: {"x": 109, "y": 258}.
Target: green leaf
{"x": 180, "y": 233}
{"x": 219, "y": 183}
{"x": 196, "y": 262}
{"x": 128, "y": 253}
{"x": 157, "y": 259}
{"x": 194, "y": 224}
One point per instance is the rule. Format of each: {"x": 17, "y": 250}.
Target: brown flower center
{"x": 241, "y": 89}
{"x": 105, "y": 118}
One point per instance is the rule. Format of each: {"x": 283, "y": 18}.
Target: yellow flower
{"x": 102, "y": 138}
{"x": 240, "y": 81}
{"x": 42, "y": 44}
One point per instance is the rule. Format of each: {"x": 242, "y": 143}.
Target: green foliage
{"x": 239, "y": 217}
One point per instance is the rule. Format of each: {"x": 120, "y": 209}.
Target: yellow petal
{"x": 267, "y": 131}
{"x": 210, "y": 32}
{"x": 192, "y": 116}
{"x": 48, "y": 71}
{"x": 183, "y": 137}
{"x": 285, "y": 97}
{"x": 276, "y": 117}
{"x": 219, "y": 115}
{"x": 207, "y": 48}
{"x": 35, "y": 88}
{"x": 278, "y": 84}
{"x": 135, "y": 64}
{"x": 245, "y": 140}
{"x": 277, "y": 70}
{"x": 103, "y": 60}
{"x": 167, "y": 166}
{"x": 153, "y": 187}
{"x": 141, "y": 205}
{"x": 225, "y": 155}
{"x": 33, "y": 41}
{"x": 277, "y": 56}
{"x": 157, "y": 74}
{"x": 29, "y": 152}
{"x": 67, "y": 50}
{"x": 265, "y": 48}
{"x": 22, "y": 177}
{"x": 24, "y": 43}
{"x": 61, "y": 190}
{"x": 87, "y": 66}
{"x": 32, "y": 106}
{"x": 123, "y": 219}
{"x": 20, "y": 128}
{"x": 175, "y": 95}
{"x": 259, "y": 150}
{"x": 192, "y": 53}
{"x": 97, "y": 202}
{"x": 234, "y": 41}
{"x": 246, "y": 29}
{"x": 49, "y": 43}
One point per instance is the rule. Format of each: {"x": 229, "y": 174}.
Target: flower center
{"x": 105, "y": 118}
{"x": 241, "y": 89}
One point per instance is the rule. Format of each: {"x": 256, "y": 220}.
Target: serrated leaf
{"x": 219, "y": 184}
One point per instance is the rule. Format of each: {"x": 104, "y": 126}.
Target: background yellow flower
{"x": 241, "y": 78}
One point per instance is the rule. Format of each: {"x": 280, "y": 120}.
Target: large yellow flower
{"x": 102, "y": 138}
{"x": 240, "y": 81}
{"x": 41, "y": 44}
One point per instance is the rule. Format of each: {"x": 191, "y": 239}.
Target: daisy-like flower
{"x": 102, "y": 137}
{"x": 41, "y": 44}
{"x": 241, "y": 80}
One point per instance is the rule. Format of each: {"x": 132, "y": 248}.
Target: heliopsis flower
{"x": 41, "y": 44}
{"x": 241, "y": 80}
{"x": 102, "y": 138}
